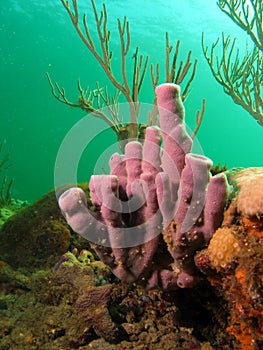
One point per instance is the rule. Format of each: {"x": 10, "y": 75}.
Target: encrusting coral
{"x": 150, "y": 191}
{"x": 233, "y": 260}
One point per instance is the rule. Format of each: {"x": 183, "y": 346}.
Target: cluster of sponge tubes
{"x": 158, "y": 206}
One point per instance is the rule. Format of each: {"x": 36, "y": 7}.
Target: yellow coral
{"x": 223, "y": 248}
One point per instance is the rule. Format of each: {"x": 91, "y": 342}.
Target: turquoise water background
{"x": 38, "y": 37}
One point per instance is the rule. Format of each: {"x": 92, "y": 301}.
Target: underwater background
{"x": 38, "y": 37}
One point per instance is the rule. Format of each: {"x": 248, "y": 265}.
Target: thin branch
{"x": 154, "y": 76}
{"x": 130, "y": 87}
{"x": 103, "y": 35}
{"x": 247, "y": 14}
{"x": 241, "y": 78}
{"x": 199, "y": 118}
{"x": 178, "y": 75}
{"x": 104, "y": 55}
{"x": 85, "y": 101}
{"x": 59, "y": 93}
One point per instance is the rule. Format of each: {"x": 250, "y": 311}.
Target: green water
{"x": 37, "y": 36}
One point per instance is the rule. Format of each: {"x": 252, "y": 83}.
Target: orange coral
{"x": 243, "y": 290}
{"x": 253, "y": 226}
{"x": 223, "y": 248}
{"x": 234, "y": 260}
{"x": 247, "y": 312}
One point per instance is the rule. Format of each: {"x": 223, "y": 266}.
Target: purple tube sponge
{"x": 198, "y": 213}
{"x": 158, "y": 206}
{"x": 191, "y": 201}
{"x": 176, "y": 141}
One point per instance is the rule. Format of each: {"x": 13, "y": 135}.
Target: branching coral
{"x": 92, "y": 100}
{"x": 241, "y": 77}
{"x": 248, "y": 15}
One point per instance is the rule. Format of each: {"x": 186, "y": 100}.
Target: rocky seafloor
{"x": 56, "y": 294}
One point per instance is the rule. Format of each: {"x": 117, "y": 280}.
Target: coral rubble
{"x": 81, "y": 306}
